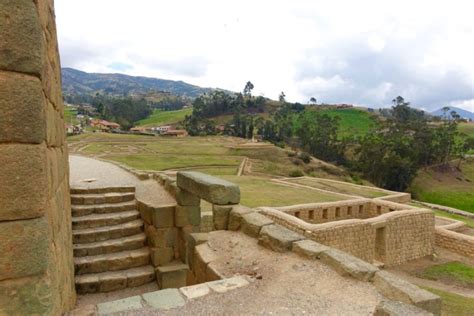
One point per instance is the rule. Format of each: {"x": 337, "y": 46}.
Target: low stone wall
{"x": 396, "y": 236}
{"x": 456, "y": 242}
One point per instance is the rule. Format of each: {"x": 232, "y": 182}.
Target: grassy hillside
{"x": 467, "y": 128}
{"x": 452, "y": 188}
{"x": 70, "y": 116}
{"x": 354, "y": 122}
{"x": 160, "y": 117}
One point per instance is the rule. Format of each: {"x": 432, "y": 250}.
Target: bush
{"x": 305, "y": 157}
{"x": 296, "y": 173}
{"x": 291, "y": 154}
{"x": 296, "y": 161}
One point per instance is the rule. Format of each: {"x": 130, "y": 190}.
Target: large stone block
{"x": 24, "y": 182}
{"x": 123, "y": 305}
{"x": 209, "y": 188}
{"x": 394, "y": 288}
{"x": 26, "y": 296}
{"x": 309, "y": 249}
{"x": 235, "y": 216}
{"x": 161, "y": 256}
{"x": 172, "y": 275}
{"x": 253, "y": 222}
{"x": 220, "y": 216}
{"x": 346, "y": 264}
{"x": 187, "y": 215}
{"x": 23, "y": 109}
{"x": 162, "y": 216}
{"x": 185, "y": 198}
{"x": 164, "y": 299}
{"x": 278, "y": 238}
{"x": 23, "y": 248}
{"x": 395, "y": 308}
{"x": 162, "y": 237}
{"x": 21, "y": 37}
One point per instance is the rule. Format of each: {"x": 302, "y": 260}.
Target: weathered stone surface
{"x": 187, "y": 215}
{"x": 222, "y": 286}
{"x": 123, "y": 305}
{"x": 278, "y": 238}
{"x": 164, "y": 299}
{"x": 235, "y": 216}
{"x": 23, "y": 248}
{"x": 220, "y": 215}
{"x": 161, "y": 256}
{"x": 346, "y": 264}
{"x": 309, "y": 249}
{"x": 22, "y": 104}
{"x": 24, "y": 177}
{"x": 203, "y": 255}
{"x": 397, "y": 289}
{"x": 162, "y": 237}
{"x": 192, "y": 241}
{"x": 26, "y": 296}
{"x": 253, "y": 222}
{"x": 163, "y": 216}
{"x": 395, "y": 308}
{"x": 209, "y": 188}
{"x": 186, "y": 198}
{"x": 21, "y": 39}
{"x": 172, "y": 275}
{"x": 195, "y": 291}
{"x": 212, "y": 273}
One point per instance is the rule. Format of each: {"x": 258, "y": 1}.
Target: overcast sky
{"x": 360, "y": 52}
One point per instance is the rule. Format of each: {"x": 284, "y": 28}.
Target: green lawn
{"x": 159, "y": 117}
{"x": 453, "y": 304}
{"x": 256, "y": 191}
{"x": 340, "y": 187}
{"x": 451, "y": 272}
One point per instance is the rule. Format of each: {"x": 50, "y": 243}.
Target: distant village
{"x": 84, "y": 120}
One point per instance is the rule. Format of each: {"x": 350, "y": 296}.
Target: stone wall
{"x": 401, "y": 233}
{"x": 456, "y": 242}
{"x": 36, "y": 268}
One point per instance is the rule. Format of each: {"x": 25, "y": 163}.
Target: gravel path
{"x": 289, "y": 284}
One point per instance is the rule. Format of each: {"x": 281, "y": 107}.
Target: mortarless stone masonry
{"x": 36, "y": 268}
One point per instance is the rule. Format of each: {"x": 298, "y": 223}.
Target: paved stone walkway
{"x": 88, "y": 172}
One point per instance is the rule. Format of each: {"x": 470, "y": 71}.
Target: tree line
{"x": 389, "y": 156}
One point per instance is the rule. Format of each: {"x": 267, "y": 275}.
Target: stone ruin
{"x": 37, "y": 272}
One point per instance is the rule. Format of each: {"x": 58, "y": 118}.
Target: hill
{"x": 160, "y": 117}
{"x": 80, "y": 82}
{"x": 463, "y": 113}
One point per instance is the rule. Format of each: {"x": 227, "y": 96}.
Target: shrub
{"x": 291, "y": 154}
{"x": 305, "y": 157}
{"x": 296, "y": 173}
{"x": 296, "y": 161}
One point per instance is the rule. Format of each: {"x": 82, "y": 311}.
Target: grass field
{"x": 159, "y": 117}
{"x": 340, "y": 187}
{"x": 467, "y": 128}
{"x": 354, "y": 122}
{"x": 451, "y": 272}
{"x": 453, "y": 304}
{"x": 450, "y": 188}
{"x": 70, "y": 115}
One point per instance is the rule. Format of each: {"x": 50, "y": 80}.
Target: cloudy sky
{"x": 360, "y": 52}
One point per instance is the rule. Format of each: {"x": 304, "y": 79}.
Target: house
{"x": 161, "y": 129}
{"x": 175, "y": 133}
{"x": 104, "y": 125}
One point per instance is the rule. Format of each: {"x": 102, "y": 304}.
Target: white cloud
{"x": 364, "y": 52}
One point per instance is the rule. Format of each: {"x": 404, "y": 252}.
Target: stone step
{"x": 122, "y": 189}
{"x": 110, "y": 246}
{"x": 90, "y": 199}
{"x": 107, "y": 219}
{"x": 82, "y": 210}
{"x": 89, "y": 235}
{"x": 112, "y": 281}
{"x": 112, "y": 261}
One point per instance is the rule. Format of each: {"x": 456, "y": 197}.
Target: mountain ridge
{"x": 463, "y": 113}
{"x": 81, "y": 82}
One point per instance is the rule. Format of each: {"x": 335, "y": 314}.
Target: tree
{"x": 282, "y": 97}
{"x": 313, "y": 100}
{"x": 248, "y": 89}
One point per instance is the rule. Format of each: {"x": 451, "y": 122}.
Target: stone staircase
{"x": 110, "y": 251}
